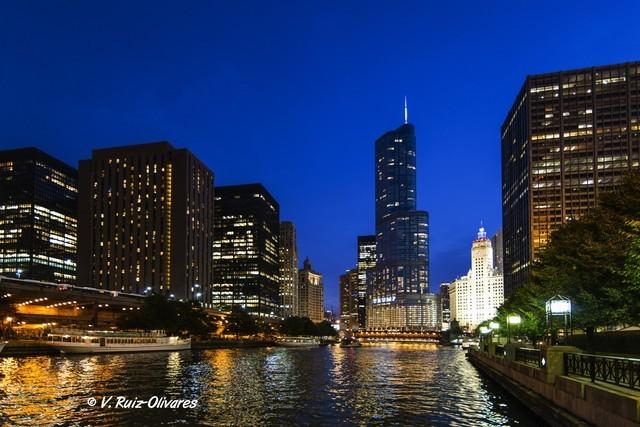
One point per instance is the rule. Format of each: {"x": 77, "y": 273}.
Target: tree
{"x": 297, "y": 326}
{"x": 241, "y": 323}
{"x": 325, "y": 329}
{"x": 7, "y": 310}
{"x": 594, "y": 261}
{"x": 174, "y": 317}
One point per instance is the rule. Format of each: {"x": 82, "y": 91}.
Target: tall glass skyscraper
{"x": 38, "y": 216}
{"x": 399, "y": 294}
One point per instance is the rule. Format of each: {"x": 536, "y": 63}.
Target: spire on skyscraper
{"x": 406, "y": 111}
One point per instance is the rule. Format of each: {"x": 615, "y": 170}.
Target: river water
{"x": 386, "y": 384}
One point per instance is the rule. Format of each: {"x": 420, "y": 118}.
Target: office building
{"x": 476, "y": 297}
{"x": 146, "y": 221}
{"x": 38, "y": 216}
{"x": 365, "y": 265}
{"x": 246, "y": 250}
{"x": 349, "y": 288}
{"x": 568, "y": 137}
{"x": 399, "y": 297}
{"x": 445, "y": 310}
{"x": 288, "y": 251}
{"x": 498, "y": 257}
{"x": 310, "y": 292}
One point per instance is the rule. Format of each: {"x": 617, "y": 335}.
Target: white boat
{"x": 298, "y": 341}
{"x": 2, "y": 344}
{"x": 74, "y": 341}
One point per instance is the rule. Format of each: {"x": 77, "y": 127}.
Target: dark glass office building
{"x": 366, "y": 263}
{"x": 401, "y": 276}
{"x": 38, "y": 216}
{"x": 146, "y": 221}
{"x": 568, "y": 137}
{"x": 245, "y": 250}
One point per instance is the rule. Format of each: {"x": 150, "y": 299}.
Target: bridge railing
{"x": 621, "y": 371}
{"x": 530, "y": 356}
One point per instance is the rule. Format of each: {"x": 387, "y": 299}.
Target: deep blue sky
{"x": 293, "y": 95}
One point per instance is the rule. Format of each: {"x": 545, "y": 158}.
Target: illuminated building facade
{"x": 146, "y": 221}
{"x": 568, "y": 137}
{"x": 246, "y": 250}
{"x": 445, "y": 307}
{"x": 311, "y": 293}
{"x": 38, "y": 216}
{"x": 349, "y": 298}
{"x": 366, "y": 263}
{"x": 288, "y": 251}
{"x": 476, "y": 297}
{"x": 399, "y": 294}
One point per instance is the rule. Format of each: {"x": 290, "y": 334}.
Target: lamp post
{"x": 559, "y": 306}
{"x": 513, "y": 319}
{"x": 494, "y": 326}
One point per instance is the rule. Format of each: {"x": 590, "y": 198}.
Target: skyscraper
{"x": 366, "y": 262}
{"x": 246, "y": 250}
{"x": 568, "y": 137}
{"x": 311, "y": 292}
{"x": 498, "y": 257}
{"x": 445, "y": 307}
{"x": 476, "y": 297}
{"x": 399, "y": 295}
{"x": 288, "y": 254}
{"x": 38, "y": 216}
{"x": 146, "y": 221}
{"x": 349, "y": 285}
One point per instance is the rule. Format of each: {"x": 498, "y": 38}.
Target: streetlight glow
{"x": 514, "y": 319}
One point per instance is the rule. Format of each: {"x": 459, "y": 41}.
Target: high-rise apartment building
{"x": 289, "y": 304}
{"x": 365, "y": 265}
{"x": 476, "y": 297}
{"x": 146, "y": 221}
{"x": 349, "y": 287}
{"x": 246, "y": 250}
{"x": 568, "y": 137}
{"x": 399, "y": 297}
{"x": 38, "y": 216}
{"x": 311, "y": 293}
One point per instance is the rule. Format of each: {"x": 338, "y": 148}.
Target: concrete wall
{"x": 599, "y": 405}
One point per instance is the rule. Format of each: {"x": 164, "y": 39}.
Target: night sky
{"x": 294, "y": 94}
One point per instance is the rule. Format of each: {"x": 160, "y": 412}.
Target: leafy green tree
{"x": 174, "y": 317}
{"x": 297, "y": 326}
{"x": 324, "y": 329}
{"x": 241, "y": 323}
{"x": 593, "y": 261}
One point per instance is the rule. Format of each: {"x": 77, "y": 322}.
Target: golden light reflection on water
{"x": 380, "y": 383}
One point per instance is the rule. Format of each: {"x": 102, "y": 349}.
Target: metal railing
{"x": 500, "y": 350}
{"x": 530, "y": 356}
{"x": 621, "y": 371}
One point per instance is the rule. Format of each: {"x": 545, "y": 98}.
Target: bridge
{"x": 425, "y": 336}
{"x": 46, "y": 303}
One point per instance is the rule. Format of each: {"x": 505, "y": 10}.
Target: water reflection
{"x": 378, "y": 384}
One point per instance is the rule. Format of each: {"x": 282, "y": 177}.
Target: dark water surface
{"x": 391, "y": 384}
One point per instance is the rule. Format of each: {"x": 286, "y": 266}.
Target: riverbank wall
{"x": 559, "y": 399}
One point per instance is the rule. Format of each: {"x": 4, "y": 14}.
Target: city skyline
{"x": 188, "y": 105}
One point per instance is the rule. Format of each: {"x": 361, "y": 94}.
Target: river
{"x": 386, "y": 384}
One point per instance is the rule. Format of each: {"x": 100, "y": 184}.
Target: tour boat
{"x": 350, "y": 342}
{"x": 75, "y": 341}
{"x": 2, "y": 344}
{"x": 298, "y": 342}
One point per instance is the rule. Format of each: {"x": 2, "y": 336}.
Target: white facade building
{"x": 475, "y": 297}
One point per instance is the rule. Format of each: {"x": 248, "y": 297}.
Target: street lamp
{"x": 559, "y": 306}
{"x": 513, "y": 319}
{"x": 494, "y": 326}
